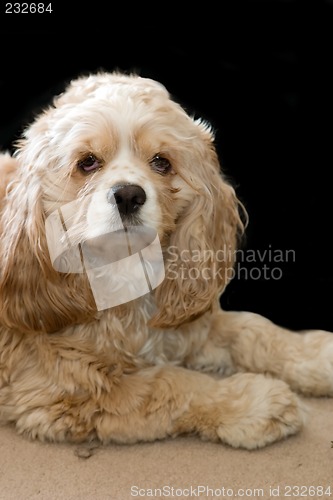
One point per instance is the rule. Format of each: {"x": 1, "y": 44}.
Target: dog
{"x": 118, "y": 233}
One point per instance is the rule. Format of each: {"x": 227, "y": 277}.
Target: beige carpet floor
{"x": 298, "y": 467}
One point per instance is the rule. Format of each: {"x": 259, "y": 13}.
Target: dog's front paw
{"x": 261, "y": 410}
{"x": 247, "y": 411}
{"x": 309, "y": 369}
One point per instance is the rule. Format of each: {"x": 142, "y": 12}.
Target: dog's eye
{"x": 160, "y": 164}
{"x": 89, "y": 164}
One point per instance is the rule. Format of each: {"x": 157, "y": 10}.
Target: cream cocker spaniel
{"x": 98, "y": 341}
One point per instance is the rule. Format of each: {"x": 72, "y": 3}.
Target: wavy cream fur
{"x": 135, "y": 372}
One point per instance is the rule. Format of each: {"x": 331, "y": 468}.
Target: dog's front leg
{"x": 245, "y": 410}
{"x": 303, "y": 359}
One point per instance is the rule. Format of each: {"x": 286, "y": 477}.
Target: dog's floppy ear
{"x": 33, "y": 296}
{"x": 200, "y": 258}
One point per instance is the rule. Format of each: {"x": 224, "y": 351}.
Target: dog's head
{"x": 116, "y": 144}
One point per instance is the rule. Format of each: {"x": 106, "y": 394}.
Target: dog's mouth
{"x": 116, "y": 245}
{"x": 120, "y": 265}
{"x": 104, "y": 249}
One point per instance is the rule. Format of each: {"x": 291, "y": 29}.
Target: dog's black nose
{"x": 128, "y": 197}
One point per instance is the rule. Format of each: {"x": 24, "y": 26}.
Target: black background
{"x": 260, "y": 72}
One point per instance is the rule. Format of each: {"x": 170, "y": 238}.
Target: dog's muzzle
{"x": 122, "y": 262}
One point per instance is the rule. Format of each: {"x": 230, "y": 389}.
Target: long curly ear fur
{"x": 33, "y": 296}
{"x": 201, "y": 254}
